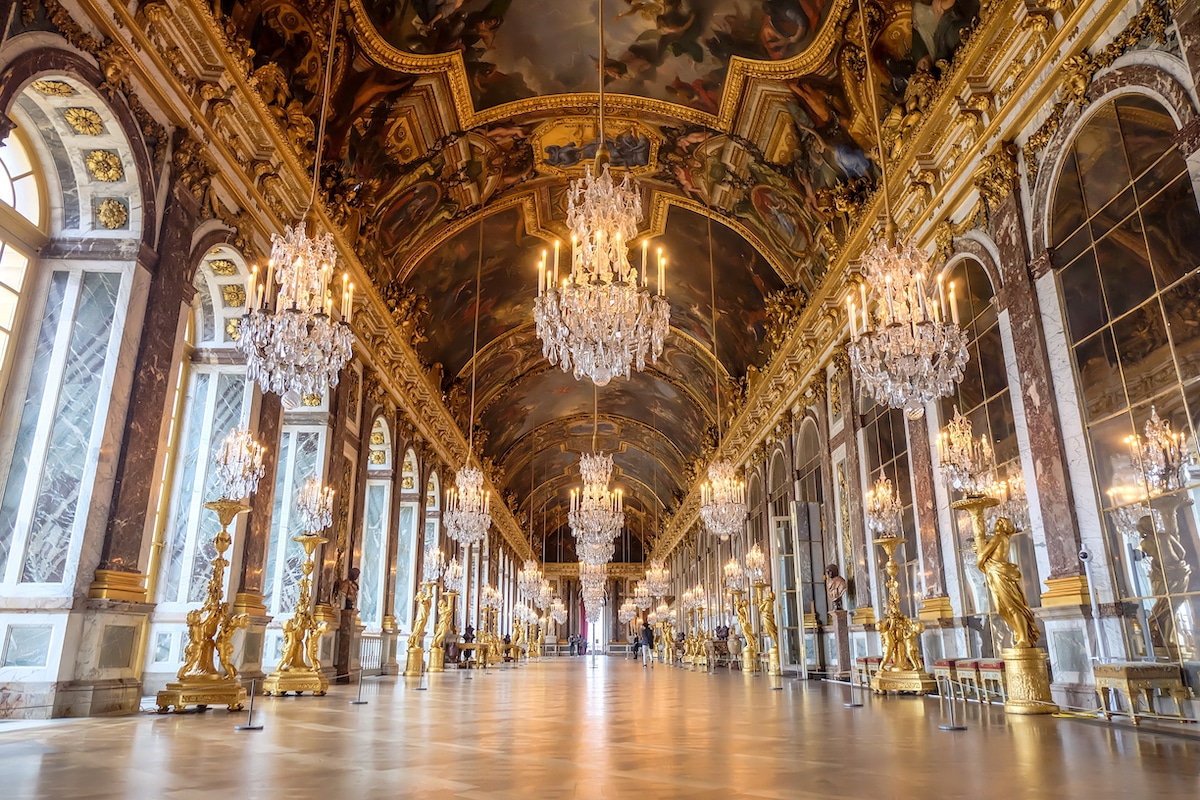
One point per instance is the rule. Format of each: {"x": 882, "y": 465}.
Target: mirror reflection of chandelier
{"x": 293, "y": 346}
{"x": 601, "y": 319}
{"x": 1160, "y": 456}
{"x": 911, "y": 355}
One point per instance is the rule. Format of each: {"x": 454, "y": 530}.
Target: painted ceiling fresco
{"x": 673, "y": 50}
{"x": 452, "y": 116}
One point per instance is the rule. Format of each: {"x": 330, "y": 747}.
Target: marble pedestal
{"x": 903, "y": 681}
{"x": 841, "y": 643}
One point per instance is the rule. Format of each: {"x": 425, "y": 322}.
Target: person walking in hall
{"x": 647, "y": 645}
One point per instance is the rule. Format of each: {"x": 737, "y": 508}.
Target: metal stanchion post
{"x": 953, "y": 726}
{"x": 250, "y": 726}
{"x": 358, "y": 701}
{"x": 853, "y": 702}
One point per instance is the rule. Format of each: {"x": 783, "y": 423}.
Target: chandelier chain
{"x": 312, "y": 198}
{"x": 883, "y": 172}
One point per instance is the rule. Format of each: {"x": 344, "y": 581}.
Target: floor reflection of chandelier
{"x": 723, "y": 500}
{"x": 600, "y": 320}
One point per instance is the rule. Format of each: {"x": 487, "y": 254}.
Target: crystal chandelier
{"x": 658, "y": 579}
{"x": 239, "y": 464}
{"x": 965, "y": 463}
{"x": 529, "y": 579}
{"x": 1161, "y": 457}
{"x": 735, "y": 576}
{"x": 452, "y": 578}
{"x": 314, "y": 502}
{"x": 641, "y": 596}
{"x": 545, "y": 594}
{"x": 558, "y": 611}
{"x": 597, "y": 514}
{"x": 293, "y": 347}
{"x": 600, "y": 320}
{"x": 434, "y": 565}
{"x": 627, "y": 612}
{"x": 756, "y": 563}
{"x": 883, "y": 509}
{"x": 723, "y": 500}
{"x": 468, "y": 507}
{"x": 489, "y": 597}
{"x": 912, "y": 355}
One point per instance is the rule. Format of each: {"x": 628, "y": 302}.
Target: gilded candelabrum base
{"x": 773, "y": 667}
{"x": 437, "y": 659}
{"x": 299, "y": 681}
{"x": 1027, "y": 681}
{"x": 202, "y": 691}
{"x": 904, "y": 681}
{"x": 415, "y": 666}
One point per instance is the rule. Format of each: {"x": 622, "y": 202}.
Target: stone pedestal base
{"x": 415, "y": 665}
{"x": 841, "y": 643}
{"x": 1028, "y": 681}
{"x": 907, "y": 681}
{"x": 296, "y": 680}
{"x": 202, "y": 692}
{"x": 437, "y": 659}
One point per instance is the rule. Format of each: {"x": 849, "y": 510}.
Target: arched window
{"x": 406, "y": 545}
{"x": 377, "y": 505}
{"x": 983, "y": 397}
{"x": 61, "y": 326}
{"x": 433, "y": 510}
{"x": 1126, "y": 238}
{"x": 215, "y": 400}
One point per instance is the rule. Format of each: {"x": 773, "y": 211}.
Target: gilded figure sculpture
{"x": 423, "y": 599}
{"x": 766, "y": 611}
{"x": 741, "y": 605}
{"x": 224, "y": 640}
{"x": 445, "y": 619}
{"x": 1004, "y": 581}
{"x": 1170, "y": 573}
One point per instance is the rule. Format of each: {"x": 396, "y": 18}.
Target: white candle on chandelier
{"x": 953, "y": 305}
{"x": 251, "y": 282}
{"x": 345, "y": 293}
{"x": 541, "y": 279}
{"x": 891, "y": 310}
{"x": 350, "y": 305}
{"x": 941, "y": 299}
{"x": 862, "y": 291}
{"x": 853, "y": 323}
{"x": 921, "y": 298}
{"x": 270, "y": 276}
{"x": 645, "y": 248}
{"x": 574, "y": 258}
{"x": 556, "y": 244}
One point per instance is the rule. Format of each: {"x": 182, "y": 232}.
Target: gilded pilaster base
{"x": 1069, "y": 591}
{"x": 1028, "y": 681}
{"x": 116, "y": 585}
{"x": 415, "y": 666}
{"x": 202, "y": 691}
{"x": 437, "y": 659}
{"x": 908, "y": 681}
{"x": 249, "y": 603}
{"x": 295, "y": 680}
{"x": 864, "y": 615}
{"x": 933, "y": 608}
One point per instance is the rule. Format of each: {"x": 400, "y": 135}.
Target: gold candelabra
{"x": 210, "y": 634}
{"x": 901, "y": 669}
{"x": 299, "y": 669}
{"x": 1028, "y": 680}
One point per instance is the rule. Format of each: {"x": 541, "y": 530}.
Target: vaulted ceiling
{"x": 456, "y": 122}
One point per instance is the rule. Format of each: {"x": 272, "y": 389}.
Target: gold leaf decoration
{"x": 112, "y": 214}
{"x": 53, "y": 88}
{"x": 234, "y": 295}
{"x": 105, "y": 165}
{"x": 84, "y": 121}
{"x": 223, "y": 267}
{"x": 233, "y": 329}
{"x": 378, "y": 457}
{"x": 377, "y": 437}
{"x": 312, "y": 400}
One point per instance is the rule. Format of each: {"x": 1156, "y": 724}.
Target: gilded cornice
{"x": 1010, "y": 34}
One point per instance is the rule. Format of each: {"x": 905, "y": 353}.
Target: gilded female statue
{"x": 766, "y": 611}
{"x": 442, "y": 629}
{"x": 742, "y": 607}
{"x": 424, "y": 598}
{"x": 1004, "y": 580}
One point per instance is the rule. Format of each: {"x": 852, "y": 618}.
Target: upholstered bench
{"x": 966, "y": 673}
{"x": 943, "y": 673}
{"x": 991, "y": 679}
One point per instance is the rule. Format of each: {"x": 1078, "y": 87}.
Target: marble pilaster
{"x": 169, "y": 296}
{"x": 1019, "y": 297}
{"x": 933, "y": 567}
{"x": 257, "y": 538}
{"x": 854, "y": 491}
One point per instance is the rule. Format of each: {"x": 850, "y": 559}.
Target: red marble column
{"x": 268, "y": 433}
{"x": 1018, "y": 296}
{"x": 921, "y": 462}
{"x": 169, "y": 296}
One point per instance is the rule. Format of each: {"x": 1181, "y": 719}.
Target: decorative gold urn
{"x": 301, "y": 637}
{"x": 210, "y": 634}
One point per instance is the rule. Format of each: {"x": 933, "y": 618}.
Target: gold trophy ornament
{"x": 299, "y": 669}
{"x": 239, "y": 467}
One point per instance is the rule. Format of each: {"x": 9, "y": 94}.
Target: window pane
{"x": 1068, "y": 201}
{"x": 1099, "y": 376}
{"x": 1125, "y": 267}
{"x": 1147, "y": 128}
{"x": 1082, "y": 298}
{"x": 1141, "y": 339}
{"x": 1182, "y": 306}
{"x": 1173, "y": 230}
{"x": 12, "y": 268}
{"x": 1102, "y": 168}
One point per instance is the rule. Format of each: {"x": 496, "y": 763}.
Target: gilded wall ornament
{"x": 311, "y": 400}
{"x": 104, "y": 165}
{"x": 377, "y": 437}
{"x": 112, "y": 214}
{"x": 53, "y": 88}
{"x": 223, "y": 267}
{"x": 232, "y": 328}
{"x": 378, "y": 457}
{"x": 234, "y": 295}
{"x": 84, "y": 121}
{"x": 997, "y": 174}
{"x": 835, "y": 396}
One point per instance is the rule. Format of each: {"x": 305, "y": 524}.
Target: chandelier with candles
{"x": 529, "y": 579}
{"x": 1160, "y": 457}
{"x": 966, "y": 463}
{"x": 292, "y": 344}
{"x": 723, "y": 500}
{"x": 601, "y": 320}
{"x": 658, "y": 579}
{"x": 597, "y": 514}
{"x": 468, "y": 507}
{"x": 735, "y": 576}
{"x": 239, "y": 463}
{"x": 883, "y": 509}
{"x": 558, "y": 611}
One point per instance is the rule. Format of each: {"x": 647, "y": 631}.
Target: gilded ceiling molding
{"x": 741, "y": 71}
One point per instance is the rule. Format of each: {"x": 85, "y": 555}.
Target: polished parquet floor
{"x": 567, "y": 728}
